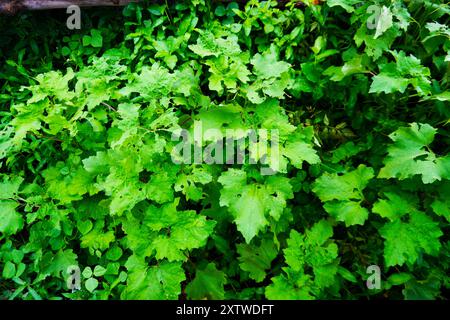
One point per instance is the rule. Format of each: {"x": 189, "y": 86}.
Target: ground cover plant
{"x": 357, "y": 92}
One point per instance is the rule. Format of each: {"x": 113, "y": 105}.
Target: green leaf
{"x": 68, "y": 181}
{"x": 114, "y": 253}
{"x": 207, "y": 284}
{"x": 152, "y": 83}
{"x": 91, "y": 284}
{"x": 402, "y": 15}
{"x": 89, "y": 157}
{"x": 444, "y": 96}
{"x": 347, "y": 192}
{"x": 384, "y": 21}
{"x": 397, "y": 76}
{"x": 160, "y": 282}
{"x": 348, "y": 5}
{"x": 347, "y": 275}
{"x": 138, "y": 237}
{"x": 354, "y": 64}
{"x": 159, "y": 188}
{"x": 188, "y": 183}
{"x": 220, "y": 11}
{"x": 257, "y": 259}
{"x": 399, "y": 278}
{"x": 396, "y": 205}
{"x": 422, "y": 290}
{"x": 349, "y": 212}
{"x": 57, "y": 264}
{"x": 9, "y": 270}
{"x": 283, "y": 288}
{"x": 272, "y": 116}
{"x": 267, "y": 66}
{"x": 388, "y": 83}
{"x": 442, "y": 208}
{"x": 97, "y": 239}
{"x": 87, "y": 272}
{"x": 10, "y": 187}
{"x": 249, "y": 203}
{"x": 11, "y": 221}
{"x": 404, "y": 241}
{"x": 313, "y": 250}
{"x": 349, "y": 185}
{"x": 177, "y": 230}
{"x": 375, "y": 47}
{"x": 84, "y": 226}
{"x": 208, "y": 45}
{"x": 96, "y": 39}
{"x": 99, "y": 271}
{"x": 410, "y": 155}
{"x": 299, "y": 148}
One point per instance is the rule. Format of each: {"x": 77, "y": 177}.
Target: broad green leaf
{"x": 442, "y": 208}
{"x": 257, "y": 259}
{"x": 97, "y": 239}
{"x": 267, "y": 66}
{"x": 298, "y": 149}
{"x": 410, "y": 155}
{"x": 207, "y": 284}
{"x": 421, "y": 290}
{"x": 384, "y": 21}
{"x": 177, "y": 230}
{"x": 405, "y": 241}
{"x": 395, "y": 77}
{"x": 395, "y": 206}
{"x": 349, "y": 212}
{"x": 10, "y": 220}
{"x": 249, "y": 203}
{"x": 160, "y": 282}
{"x": 10, "y": 187}
{"x": 283, "y": 288}
{"x": 343, "y": 187}
{"x": 58, "y": 264}
{"x": 388, "y": 83}
{"x": 343, "y": 194}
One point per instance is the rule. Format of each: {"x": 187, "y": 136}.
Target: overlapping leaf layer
{"x": 356, "y": 91}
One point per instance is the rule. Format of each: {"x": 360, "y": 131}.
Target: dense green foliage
{"x": 363, "y": 116}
